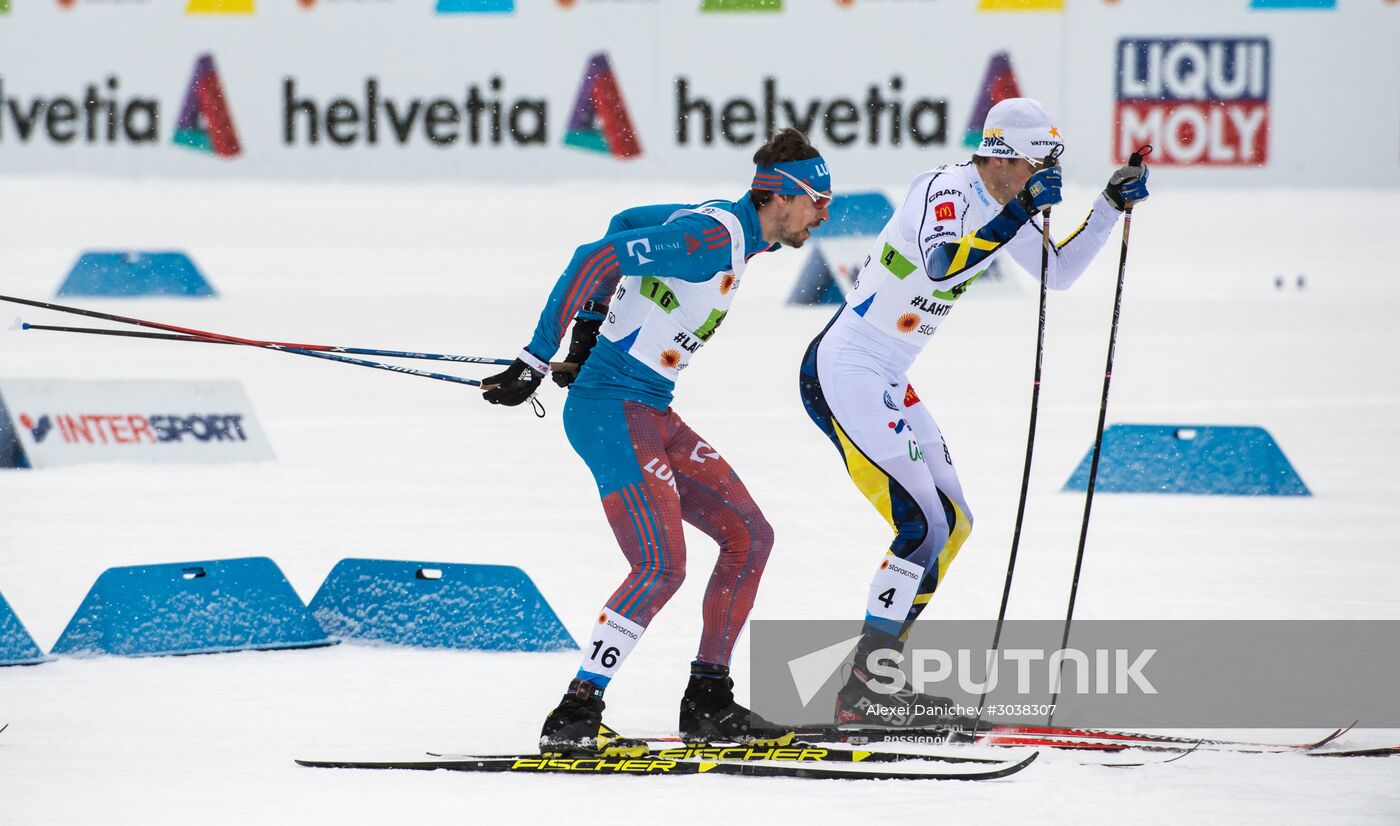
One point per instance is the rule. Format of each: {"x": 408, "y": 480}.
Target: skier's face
{"x": 797, "y": 215}
{"x": 1005, "y": 177}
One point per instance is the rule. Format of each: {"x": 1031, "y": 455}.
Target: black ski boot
{"x": 862, "y": 702}
{"x": 710, "y": 715}
{"x": 575, "y": 727}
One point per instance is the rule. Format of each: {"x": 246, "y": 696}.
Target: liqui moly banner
{"x": 47, "y": 423}
{"x": 1198, "y": 101}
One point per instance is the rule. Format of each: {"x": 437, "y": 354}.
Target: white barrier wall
{"x": 396, "y": 89}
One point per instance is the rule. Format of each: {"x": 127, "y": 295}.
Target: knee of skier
{"x": 669, "y": 578}
{"x": 760, "y": 539}
{"x": 911, "y": 534}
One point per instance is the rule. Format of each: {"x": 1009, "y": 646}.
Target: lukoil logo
{"x": 205, "y": 121}
{"x": 1199, "y": 101}
{"x": 600, "y": 121}
{"x": 135, "y": 428}
{"x": 998, "y": 84}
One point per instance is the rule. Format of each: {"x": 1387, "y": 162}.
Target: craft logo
{"x": 475, "y": 6}
{"x": 219, "y": 7}
{"x": 600, "y": 122}
{"x": 135, "y": 429}
{"x": 998, "y": 84}
{"x": 205, "y": 122}
{"x": 1198, "y": 101}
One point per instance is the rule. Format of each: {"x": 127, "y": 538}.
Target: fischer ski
{"x": 793, "y": 753}
{"x": 654, "y": 766}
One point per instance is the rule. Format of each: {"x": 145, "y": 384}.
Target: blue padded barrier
{"x": 190, "y": 608}
{"x": 1198, "y": 459}
{"x": 16, "y": 646}
{"x": 438, "y": 605}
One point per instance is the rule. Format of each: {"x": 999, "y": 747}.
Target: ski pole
{"x": 236, "y": 340}
{"x": 1134, "y": 160}
{"x": 1045, "y": 243}
{"x": 357, "y": 351}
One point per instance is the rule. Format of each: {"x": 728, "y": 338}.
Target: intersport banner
{"x": 537, "y": 91}
{"x": 49, "y": 423}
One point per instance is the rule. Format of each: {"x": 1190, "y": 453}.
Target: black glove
{"x": 1128, "y": 185}
{"x": 511, "y": 386}
{"x": 580, "y": 345}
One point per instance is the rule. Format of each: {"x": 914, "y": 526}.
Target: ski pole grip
{"x": 1136, "y": 158}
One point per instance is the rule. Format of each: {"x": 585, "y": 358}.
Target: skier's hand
{"x": 1127, "y": 186}
{"x": 580, "y": 345}
{"x": 1042, "y": 191}
{"x": 515, "y": 384}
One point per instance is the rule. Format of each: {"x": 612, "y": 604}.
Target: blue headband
{"x": 811, "y": 172}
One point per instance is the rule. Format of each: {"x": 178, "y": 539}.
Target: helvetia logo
{"x": 998, "y": 84}
{"x": 205, "y": 122}
{"x": 600, "y": 122}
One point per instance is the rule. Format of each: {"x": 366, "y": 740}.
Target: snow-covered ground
{"x": 381, "y": 465}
